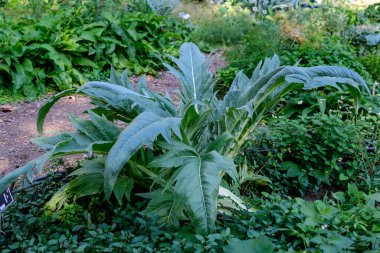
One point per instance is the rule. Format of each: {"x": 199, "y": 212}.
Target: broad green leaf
{"x": 85, "y": 62}
{"x": 198, "y": 180}
{"x": 28, "y": 168}
{"x": 119, "y": 97}
{"x": 123, "y": 187}
{"x": 220, "y": 143}
{"x": 373, "y": 39}
{"x": 167, "y": 207}
{"x": 22, "y": 75}
{"x": 293, "y": 170}
{"x": 143, "y": 130}
{"x": 97, "y": 128}
{"x": 48, "y": 105}
{"x": 261, "y": 244}
{"x": 196, "y": 79}
{"x": 87, "y": 167}
{"x": 332, "y": 243}
{"x": 79, "y": 187}
{"x": 375, "y": 196}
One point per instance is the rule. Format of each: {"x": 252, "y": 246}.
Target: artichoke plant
{"x": 179, "y": 153}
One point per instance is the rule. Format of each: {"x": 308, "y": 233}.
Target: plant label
{"x": 5, "y": 199}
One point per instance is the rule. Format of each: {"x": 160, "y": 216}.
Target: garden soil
{"x": 18, "y": 121}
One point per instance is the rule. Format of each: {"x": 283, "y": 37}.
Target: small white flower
{"x": 184, "y": 15}
{"x": 300, "y": 102}
{"x": 324, "y": 226}
{"x": 340, "y": 159}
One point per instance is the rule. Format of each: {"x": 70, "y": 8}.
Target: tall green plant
{"x": 194, "y": 144}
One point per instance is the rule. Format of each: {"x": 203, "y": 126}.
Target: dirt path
{"x": 18, "y": 121}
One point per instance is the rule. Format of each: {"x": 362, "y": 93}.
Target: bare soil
{"x": 18, "y": 121}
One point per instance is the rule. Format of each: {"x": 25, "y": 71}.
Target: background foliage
{"x": 77, "y": 40}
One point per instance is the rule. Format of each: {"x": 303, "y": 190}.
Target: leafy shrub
{"x": 184, "y": 151}
{"x": 372, "y": 65}
{"x": 260, "y": 42}
{"x": 309, "y": 152}
{"x": 222, "y": 30}
{"x": 326, "y": 21}
{"x": 365, "y": 39}
{"x": 61, "y": 45}
{"x": 162, "y": 7}
{"x": 373, "y": 13}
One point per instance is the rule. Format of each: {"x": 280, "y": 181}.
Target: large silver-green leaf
{"x": 167, "y": 207}
{"x": 123, "y": 187}
{"x": 125, "y": 100}
{"x": 197, "y": 179}
{"x": 96, "y": 135}
{"x": 48, "y": 105}
{"x": 122, "y": 80}
{"x": 97, "y": 128}
{"x": 196, "y": 80}
{"x": 143, "y": 130}
{"x": 79, "y": 187}
{"x": 269, "y": 80}
{"x": 28, "y": 168}
{"x": 195, "y": 127}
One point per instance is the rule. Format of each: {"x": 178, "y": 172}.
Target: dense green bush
{"x": 263, "y": 40}
{"x": 222, "y": 30}
{"x": 67, "y": 46}
{"x": 372, "y": 12}
{"x": 310, "y": 153}
{"x": 372, "y": 65}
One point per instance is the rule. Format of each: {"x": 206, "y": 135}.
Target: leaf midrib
{"x": 202, "y": 191}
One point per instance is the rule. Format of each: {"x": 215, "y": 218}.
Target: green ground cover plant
{"x": 309, "y": 153}
{"x": 347, "y": 222}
